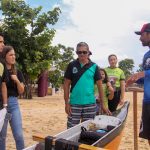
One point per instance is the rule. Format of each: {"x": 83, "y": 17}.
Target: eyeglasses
{"x": 82, "y": 52}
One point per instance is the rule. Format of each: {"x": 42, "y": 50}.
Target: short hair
{"x": 112, "y": 55}
{"x": 82, "y": 44}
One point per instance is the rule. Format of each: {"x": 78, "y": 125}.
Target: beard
{"x": 146, "y": 43}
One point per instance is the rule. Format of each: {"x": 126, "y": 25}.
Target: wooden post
{"x": 135, "y": 120}
{"x": 135, "y": 90}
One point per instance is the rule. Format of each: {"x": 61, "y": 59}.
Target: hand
{"x": 131, "y": 80}
{"x": 14, "y": 78}
{"x": 106, "y": 110}
{"x": 121, "y": 102}
{"x": 68, "y": 109}
{"x": 5, "y": 106}
{"x": 134, "y": 78}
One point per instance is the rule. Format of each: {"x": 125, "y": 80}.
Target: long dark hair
{"x": 7, "y": 49}
{"x": 106, "y": 76}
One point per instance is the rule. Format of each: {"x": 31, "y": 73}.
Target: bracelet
{"x": 5, "y": 105}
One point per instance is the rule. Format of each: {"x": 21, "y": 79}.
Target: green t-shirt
{"x": 83, "y": 92}
{"x": 115, "y": 75}
{"x": 105, "y": 90}
{"x": 105, "y": 94}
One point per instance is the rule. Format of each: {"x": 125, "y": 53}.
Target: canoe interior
{"x": 101, "y": 121}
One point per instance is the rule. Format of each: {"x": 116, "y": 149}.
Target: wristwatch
{"x": 5, "y": 105}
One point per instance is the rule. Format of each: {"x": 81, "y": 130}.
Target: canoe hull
{"x": 109, "y": 141}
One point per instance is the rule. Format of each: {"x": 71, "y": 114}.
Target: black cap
{"x": 90, "y": 53}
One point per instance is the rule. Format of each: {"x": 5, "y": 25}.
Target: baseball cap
{"x": 145, "y": 28}
{"x": 90, "y": 53}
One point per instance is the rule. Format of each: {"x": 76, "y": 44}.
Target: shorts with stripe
{"x": 145, "y": 122}
{"x": 81, "y": 113}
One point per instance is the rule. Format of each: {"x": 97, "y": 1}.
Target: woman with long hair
{"x": 15, "y": 86}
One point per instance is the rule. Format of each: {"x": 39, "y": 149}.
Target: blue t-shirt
{"x": 146, "y": 79}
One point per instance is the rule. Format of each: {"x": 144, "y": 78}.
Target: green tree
{"x": 140, "y": 68}
{"x": 28, "y": 31}
{"x": 56, "y": 75}
{"x": 127, "y": 66}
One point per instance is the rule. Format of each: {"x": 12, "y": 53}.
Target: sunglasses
{"x": 82, "y": 52}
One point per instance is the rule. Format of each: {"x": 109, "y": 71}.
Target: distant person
{"x": 107, "y": 89}
{"x": 144, "y": 77}
{"x": 117, "y": 79}
{"x": 15, "y": 86}
{"x": 80, "y": 76}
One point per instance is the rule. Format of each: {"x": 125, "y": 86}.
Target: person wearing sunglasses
{"x": 79, "y": 79}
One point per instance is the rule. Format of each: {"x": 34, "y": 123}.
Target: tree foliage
{"x": 30, "y": 32}
{"x": 140, "y": 68}
{"x": 56, "y": 75}
{"x": 127, "y": 66}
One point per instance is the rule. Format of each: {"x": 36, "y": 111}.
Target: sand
{"x": 46, "y": 116}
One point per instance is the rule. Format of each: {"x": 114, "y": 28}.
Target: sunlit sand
{"x": 46, "y": 116}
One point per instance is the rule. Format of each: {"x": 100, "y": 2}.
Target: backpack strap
{"x": 80, "y": 73}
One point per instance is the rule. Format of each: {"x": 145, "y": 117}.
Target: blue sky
{"x": 107, "y": 26}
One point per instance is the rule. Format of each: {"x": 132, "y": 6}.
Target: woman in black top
{"x": 15, "y": 86}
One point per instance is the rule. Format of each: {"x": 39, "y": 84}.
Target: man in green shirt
{"x": 81, "y": 75}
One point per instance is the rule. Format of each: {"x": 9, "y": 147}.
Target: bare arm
{"x": 100, "y": 91}
{"x": 133, "y": 78}
{"x": 67, "y": 84}
{"x": 122, "y": 85}
{"x": 101, "y": 96}
{"x": 20, "y": 85}
{"x": 111, "y": 91}
{"x": 4, "y": 93}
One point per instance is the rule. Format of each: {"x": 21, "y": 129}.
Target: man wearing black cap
{"x": 144, "y": 77}
{"x": 80, "y": 76}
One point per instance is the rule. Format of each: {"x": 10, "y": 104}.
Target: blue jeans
{"x": 15, "y": 123}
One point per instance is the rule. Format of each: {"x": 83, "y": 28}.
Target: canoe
{"x": 2, "y": 117}
{"x": 104, "y": 132}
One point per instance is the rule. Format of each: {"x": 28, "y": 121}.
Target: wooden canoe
{"x": 69, "y": 139}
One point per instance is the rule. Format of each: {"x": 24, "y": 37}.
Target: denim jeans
{"x": 15, "y": 123}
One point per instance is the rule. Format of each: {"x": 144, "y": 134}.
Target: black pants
{"x": 145, "y": 122}
{"x": 112, "y": 104}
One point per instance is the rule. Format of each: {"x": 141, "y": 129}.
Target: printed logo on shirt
{"x": 147, "y": 64}
{"x": 1, "y": 69}
{"x": 75, "y": 70}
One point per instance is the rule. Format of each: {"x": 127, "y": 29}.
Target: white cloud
{"x": 107, "y": 26}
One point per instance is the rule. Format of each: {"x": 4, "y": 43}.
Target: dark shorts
{"x": 81, "y": 113}
{"x": 112, "y": 104}
{"x": 145, "y": 122}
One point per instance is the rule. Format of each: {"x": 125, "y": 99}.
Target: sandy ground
{"x": 46, "y": 116}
